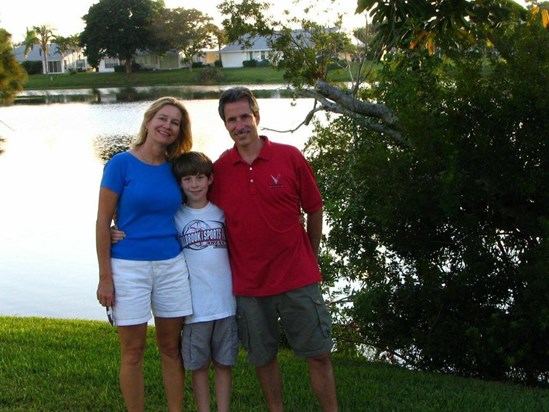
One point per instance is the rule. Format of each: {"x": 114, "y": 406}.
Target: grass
{"x": 71, "y": 365}
{"x": 248, "y": 75}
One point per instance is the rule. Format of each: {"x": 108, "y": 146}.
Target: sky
{"x": 65, "y": 16}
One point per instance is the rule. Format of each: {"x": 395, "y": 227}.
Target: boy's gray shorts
{"x": 215, "y": 340}
{"x": 303, "y": 315}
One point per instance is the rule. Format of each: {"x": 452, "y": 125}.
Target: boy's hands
{"x": 116, "y": 235}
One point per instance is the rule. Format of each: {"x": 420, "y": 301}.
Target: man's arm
{"x": 314, "y": 229}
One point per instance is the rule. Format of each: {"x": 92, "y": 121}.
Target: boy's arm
{"x": 116, "y": 235}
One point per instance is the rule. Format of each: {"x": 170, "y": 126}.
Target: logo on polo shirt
{"x": 276, "y": 180}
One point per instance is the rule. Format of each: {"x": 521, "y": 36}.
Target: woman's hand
{"x": 105, "y": 291}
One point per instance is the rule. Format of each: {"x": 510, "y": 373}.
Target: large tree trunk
{"x": 128, "y": 65}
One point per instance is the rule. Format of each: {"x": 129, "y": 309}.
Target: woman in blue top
{"x": 147, "y": 272}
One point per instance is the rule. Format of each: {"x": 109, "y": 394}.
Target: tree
{"x": 42, "y": 36}
{"x": 404, "y": 24}
{"x": 302, "y": 48}
{"x": 219, "y": 36}
{"x": 446, "y": 228}
{"x": 118, "y": 28}
{"x": 66, "y": 45}
{"x": 12, "y": 75}
{"x": 187, "y": 30}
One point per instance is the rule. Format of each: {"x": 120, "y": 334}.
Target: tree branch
{"x": 348, "y": 106}
{"x": 379, "y": 111}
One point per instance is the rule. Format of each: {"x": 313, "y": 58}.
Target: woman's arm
{"x": 105, "y": 213}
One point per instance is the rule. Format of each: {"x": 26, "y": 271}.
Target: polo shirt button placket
{"x": 251, "y": 186}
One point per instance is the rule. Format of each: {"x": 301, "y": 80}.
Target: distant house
{"x": 234, "y": 54}
{"x": 57, "y": 63}
{"x": 107, "y": 64}
{"x": 207, "y": 57}
{"x": 257, "y": 48}
{"x": 167, "y": 61}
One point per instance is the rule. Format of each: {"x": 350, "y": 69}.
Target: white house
{"x": 233, "y": 54}
{"x": 167, "y": 61}
{"x": 57, "y": 63}
{"x": 107, "y": 64}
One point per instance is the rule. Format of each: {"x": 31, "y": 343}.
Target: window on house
{"x": 54, "y": 67}
{"x": 110, "y": 63}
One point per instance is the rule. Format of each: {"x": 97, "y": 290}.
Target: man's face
{"x": 241, "y": 123}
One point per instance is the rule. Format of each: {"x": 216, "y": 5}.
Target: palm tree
{"x": 42, "y": 36}
{"x": 67, "y": 45}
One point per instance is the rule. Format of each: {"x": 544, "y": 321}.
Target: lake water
{"x": 50, "y": 169}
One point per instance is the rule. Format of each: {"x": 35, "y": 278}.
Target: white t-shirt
{"x": 201, "y": 233}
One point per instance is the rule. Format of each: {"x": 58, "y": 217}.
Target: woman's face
{"x": 165, "y": 125}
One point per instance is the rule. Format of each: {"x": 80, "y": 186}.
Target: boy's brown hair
{"x": 192, "y": 163}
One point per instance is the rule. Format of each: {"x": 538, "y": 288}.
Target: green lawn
{"x": 68, "y": 365}
{"x": 198, "y": 76}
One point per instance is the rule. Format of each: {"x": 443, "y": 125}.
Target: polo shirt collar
{"x": 266, "y": 152}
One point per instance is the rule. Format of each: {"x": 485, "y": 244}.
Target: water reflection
{"x": 50, "y": 173}
{"x": 136, "y": 94}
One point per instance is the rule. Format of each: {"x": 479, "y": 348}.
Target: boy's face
{"x": 196, "y": 186}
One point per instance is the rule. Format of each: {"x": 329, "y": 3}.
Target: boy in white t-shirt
{"x": 210, "y": 333}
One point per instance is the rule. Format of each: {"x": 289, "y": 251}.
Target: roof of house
{"x": 35, "y": 53}
{"x": 255, "y": 43}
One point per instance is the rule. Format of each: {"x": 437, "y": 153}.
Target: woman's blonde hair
{"x": 184, "y": 141}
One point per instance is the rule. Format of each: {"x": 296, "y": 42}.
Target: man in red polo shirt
{"x": 262, "y": 187}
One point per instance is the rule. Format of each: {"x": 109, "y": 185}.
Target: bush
{"x": 263, "y": 63}
{"x": 32, "y": 67}
{"x": 249, "y": 63}
{"x": 121, "y": 68}
{"x": 447, "y": 229}
{"x": 210, "y": 75}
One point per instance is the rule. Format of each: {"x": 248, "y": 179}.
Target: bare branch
{"x": 376, "y": 110}
{"x": 305, "y": 122}
{"x": 358, "y": 115}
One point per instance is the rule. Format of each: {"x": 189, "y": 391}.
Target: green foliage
{"x": 32, "y": 67}
{"x": 187, "y": 30}
{"x": 42, "y": 36}
{"x": 306, "y": 55}
{"x": 117, "y": 28}
{"x": 404, "y": 24}
{"x": 249, "y": 63}
{"x": 12, "y": 75}
{"x": 244, "y": 17}
{"x": 301, "y": 48}
{"x": 446, "y": 233}
{"x": 211, "y": 75}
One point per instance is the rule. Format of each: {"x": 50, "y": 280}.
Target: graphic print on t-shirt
{"x": 199, "y": 234}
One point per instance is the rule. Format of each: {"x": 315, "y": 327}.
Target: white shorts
{"x": 143, "y": 286}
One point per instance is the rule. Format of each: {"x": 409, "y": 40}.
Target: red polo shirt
{"x": 270, "y": 252}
